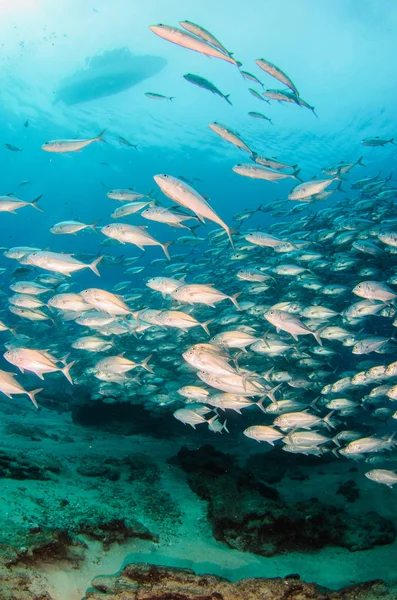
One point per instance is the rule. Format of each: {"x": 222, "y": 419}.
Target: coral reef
{"x": 149, "y": 582}
{"x": 248, "y": 515}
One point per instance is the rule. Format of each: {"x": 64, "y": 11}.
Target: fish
{"x": 36, "y": 361}
{"x": 190, "y": 41}
{"x": 11, "y": 204}
{"x": 206, "y": 85}
{"x": 204, "y": 34}
{"x": 131, "y": 234}
{"x": 71, "y": 227}
{"x": 12, "y": 148}
{"x": 187, "y": 196}
{"x": 155, "y": 96}
{"x": 260, "y": 172}
{"x": 230, "y": 136}
{"x": 277, "y": 73}
{"x": 127, "y": 143}
{"x": 9, "y": 386}
{"x": 60, "y": 263}
{"x": 384, "y": 476}
{"x": 376, "y": 141}
{"x": 61, "y": 146}
{"x": 257, "y": 115}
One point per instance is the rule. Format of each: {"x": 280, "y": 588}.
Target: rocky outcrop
{"x": 149, "y": 582}
{"x": 247, "y": 514}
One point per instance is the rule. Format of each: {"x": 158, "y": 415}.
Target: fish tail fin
{"x": 226, "y": 97}
{"x": 193, "y": 229}
{"x": 391, "y": 441}
{"x": 224, "y": 426}
{"x": 136, "y": 317}
{"x": 205, "y": 326}
{"x": 253, "y": 156}
{"x": 99, "y": 137}
{"x": 296, "y": 173}
{"x": 314, "y": 111}
{"x": 145, "y": 364}
{"x": 335, "y": 439}
{"x": 271, "y": 122}
{"x": 66, "y": 371}
{"x": 360, "y": 162}
{"x": 93, "y": 225}
{"x": 327, "y": 420}
{"x": 234, "y": 300}
{"x": 339, "y": 188}
{"x": 260, "y": 402}
{"x": 335, "y": 452}
{"x": 32, "y": 396}
{"x": 93, "y": 265}
{"x": 171, "y": 98}
{"x": 165, "y": 249}
{"x": 317, "y": 335}
{"x": 270, "y": 393}
{"x": 229, "y": 234}
{"x": 392, "y": 142}
{"x": 35, "y": 205}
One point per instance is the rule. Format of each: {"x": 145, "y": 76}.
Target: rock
{"x": 149, "y": 582}
{"x": 349, "y": 490}
{"x": 116, "y": 530}
{"x": 21, "y": 584}
{"x": 248, "y": 515}
{"x": 20, "y": 466}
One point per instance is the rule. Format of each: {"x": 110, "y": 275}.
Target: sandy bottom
{"x": 188, "y": 543}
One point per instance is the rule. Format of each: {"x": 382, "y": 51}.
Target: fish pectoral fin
{"x": 201, "y": 219}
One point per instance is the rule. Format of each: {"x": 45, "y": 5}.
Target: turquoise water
{"x": 113, "y": 446}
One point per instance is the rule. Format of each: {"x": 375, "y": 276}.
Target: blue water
{"x": 339, "y": 53}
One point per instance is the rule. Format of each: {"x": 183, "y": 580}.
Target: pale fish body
{"x": 69, "y": 302}
{"x": 118, "y": 365}
{"x": 129, "y": 208}
{"x": 203, "y": 34}
{"x": 266, "y": 240}
{"x": 60, "y": 263}
{"x": 36, "y": 361}
{"x": 286, "y": 322}
{"x": 234, "y": 384}
{"x": 25, "y": 301}
{"x": 166, "y": 216}
{"x": 180, "y": 320}
{"x": 277, "y": 73}
{"x": 194, "y": 392}
{"x": 229, "y": 136}
{"x": 165, "y": 285}
{"x": 263, "y": 433}
{"x": 124, "y": 195}
{"x": 367, "y": 445}
{"x": 131, "y": 234}
{"x": 196, "y": 293}
{"x": 105, "y": 302}
{"x": 259, "y": 172}
{"x": 189, "y": 41}
{"x": 94, "y": 319}
{"x": 59, "y": 146}
{"x": 70, "y": 227}
{"x": 206, "y": 360}
{"x": 91, "y": 343}
{"x": 183, "y": 194}
{"x": 29, "y": 314}
{"x": 374, "y": 290}
{"x": 190, "y": 417}
{"x": 384, "y": 476}
{"x": 309, "y": 188}
{"x": 32, "y": 288}
{"x": 234, "y": 339}
{"x": 10, "y": 204}
{"x": 9, "y": 386}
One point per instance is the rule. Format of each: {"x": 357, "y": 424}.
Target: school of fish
{"x": 294, "y": 322}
